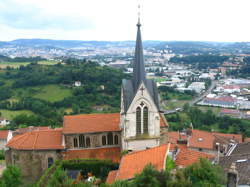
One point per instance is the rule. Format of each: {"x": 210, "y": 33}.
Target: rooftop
{"x": 37, "y": 140}
{"x": 90, "y": 123}
{"x": 133, "y": 163}
{"x": 3, "y": 134}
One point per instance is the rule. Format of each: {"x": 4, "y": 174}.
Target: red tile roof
{"x": 163, "y": 121}
{"x": 89, "y": 123}
{"x": 186, "y": 157}
{"x": 3, "y": 134}
{"x": 174, "y": 136}
{"x": 111, "y": 176}
{"x": 112, "y": 153}
{"x": 230, "y": 111}
{"x": 204, "y": 139}
{"x": 37, "y": 140}
{"x": 133, "y": 163}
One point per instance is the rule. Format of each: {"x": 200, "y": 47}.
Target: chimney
{"x": 232, "y": 176}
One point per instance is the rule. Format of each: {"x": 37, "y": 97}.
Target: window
{"x": 75, "y": 142}
{"x": 138, "y": 120}
{"x": 50, "y": 162}
{"x": 145, "y": 120}
{"x": 104, "y": 142}
{"x": 110, "y": 138}
{"x": 87, "y": 142}
{"x": 81, "y": 141}
{"x": 116, "y": 139}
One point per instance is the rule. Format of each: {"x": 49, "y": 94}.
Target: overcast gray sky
{"x": 206, "y": 20}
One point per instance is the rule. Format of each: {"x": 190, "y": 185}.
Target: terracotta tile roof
{"x": 247, "y": 140}
{"x": 201, "y": 139}
{"x": 186, "y": 157}
{"x": 3, "y": 134}
{"x": 37, "y": 140}
{"x": 173, "y": 136}
{"x": 133, "y": 163}
{"x": 206, "y": 140}
{"x": 163, "y": 121}
{"x": 30, "y": 128}
{"x": 111, "y": 176}
{"x": 88, "y": 123}
{"x": 112, "y": 153}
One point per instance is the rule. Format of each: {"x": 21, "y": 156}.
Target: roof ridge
{"x": 33, "y": 146}
{"x": 91, "y": 114}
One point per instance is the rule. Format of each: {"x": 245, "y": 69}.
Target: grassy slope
{"x": 11, "y": 114}
{"x": 52, "y": 93}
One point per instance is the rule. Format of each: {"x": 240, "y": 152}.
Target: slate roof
{"x": 242, "y": 148}
{"x": 90, "y": 123}
{"x": 110, "y": 153}
{"x": 242, "y": 166}
{"x": 38, "y": 140}
{"x": 130, "y": 87}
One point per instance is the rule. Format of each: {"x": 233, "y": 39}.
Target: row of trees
{"x": 208, "y": 121}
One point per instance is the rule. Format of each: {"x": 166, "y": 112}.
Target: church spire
{"x": 139, "y": 74}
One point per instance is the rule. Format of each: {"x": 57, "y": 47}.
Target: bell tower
{"x": 140, "y": 113}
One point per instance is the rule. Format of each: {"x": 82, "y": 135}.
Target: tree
{"x": 11, "y": 177}
{"x": 204, "y": 173}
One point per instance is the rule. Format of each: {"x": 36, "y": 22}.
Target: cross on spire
{"x": 142, "y": 89}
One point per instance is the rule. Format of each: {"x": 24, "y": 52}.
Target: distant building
{"x": 198, "y": 87}
{"x": 77, "y": 83}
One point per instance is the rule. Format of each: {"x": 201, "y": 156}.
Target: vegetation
{"x": 207, "y": 120}
{"x": 11, "y": 177}
{"x": 38, "y": 94}
{"x": 168, "y": 93}
{"x": 201, "y": 61}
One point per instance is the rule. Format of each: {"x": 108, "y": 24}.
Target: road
{"x": 195, "y": 100}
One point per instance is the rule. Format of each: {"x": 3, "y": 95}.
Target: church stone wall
{"x": 95, "y": 140}
{"x": 32, "y": 163}
{"x": 140, "y": 144}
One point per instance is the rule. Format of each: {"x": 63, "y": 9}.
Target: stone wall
{"x": 95, "y": 140}
{"x": 32, "y": 163}
{"x": 2, "y": 144}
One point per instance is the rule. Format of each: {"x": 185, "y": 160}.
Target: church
{"x": 139, "y": 125}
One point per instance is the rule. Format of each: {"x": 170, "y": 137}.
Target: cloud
{"x": 29, "y": 16}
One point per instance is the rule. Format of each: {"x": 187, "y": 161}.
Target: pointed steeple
{"x": 139, "y": 74}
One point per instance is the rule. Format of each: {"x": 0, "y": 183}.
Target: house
{"x": 236, "y": 164}
{"x": 4, "y": 122}
{"x": 133, "y": 163}
{"x": 204, "y": 141}
{"x": 140, "y": 125}
{"x": 5, "y": 135}
{"x": 231, "y": 113}
{"x": 198, "y": 87}
{"x": 77, "y": 83}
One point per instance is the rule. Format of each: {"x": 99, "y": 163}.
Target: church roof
{"x": 38, "y": 140}
{"x": 108, "y": 153}
{"x": 90, "y": 123}
{"x": 130, "y": 87}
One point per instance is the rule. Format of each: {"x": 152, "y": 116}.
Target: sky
{"x": 115, "y": 20}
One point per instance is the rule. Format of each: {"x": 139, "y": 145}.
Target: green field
{"x": 52, "y": 93}
{"x": 173, "y": 104}
{"x": 9, "y": 114}
{"x": 4, "y": 65}
{"x": 216, "y": 110}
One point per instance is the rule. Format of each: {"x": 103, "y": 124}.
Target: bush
{"x": 100, "y": 168}
{"x": 11, "y": 177}
{"x": 2, "y": 155}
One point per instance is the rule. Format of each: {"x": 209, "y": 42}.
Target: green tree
{"x": 11, "y": 177}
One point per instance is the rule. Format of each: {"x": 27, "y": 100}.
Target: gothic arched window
{"x": 87, "y": 142}
{"x": 104, "y": 142}
{"x": 75, "y": 142}
{"x": 110, "y": 138}
{"x": 81, "y": 141}
{"x": 138, "y": 120}
{"x": 116, "y": 139}
{"x": 145, "y": 120}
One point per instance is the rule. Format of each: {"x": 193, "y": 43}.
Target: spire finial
{"x": 139, "y": 14}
